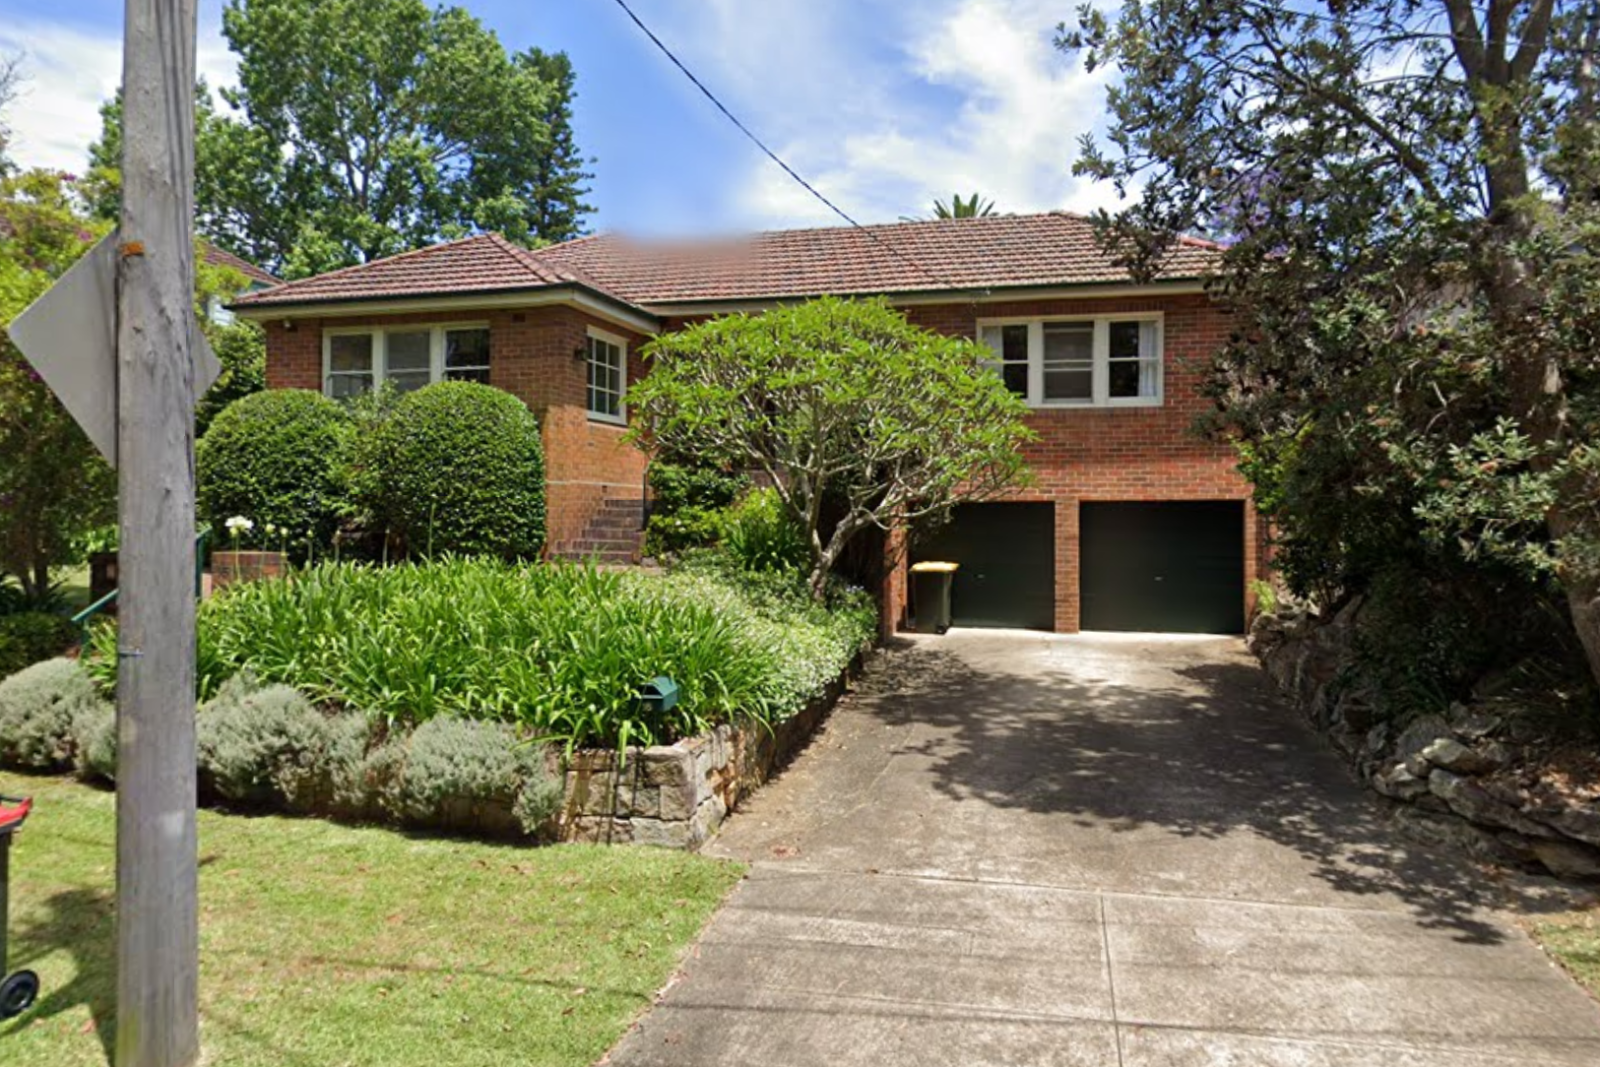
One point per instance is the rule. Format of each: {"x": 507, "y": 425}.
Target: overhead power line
{"x": 770, "y": 154}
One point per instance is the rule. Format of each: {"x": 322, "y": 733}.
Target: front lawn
{"x": 335, "y": 946}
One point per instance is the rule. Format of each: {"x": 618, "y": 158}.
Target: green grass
{"x": 74, "y": 586}
{"x": 329, "y": 946}
{"x": 1573, "y": 938}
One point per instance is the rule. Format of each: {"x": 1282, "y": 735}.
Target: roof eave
{"x": 582, "y": 295}
{"x": 1177, "y": 286}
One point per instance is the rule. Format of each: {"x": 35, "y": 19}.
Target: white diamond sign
{"x": 69, "y": 335}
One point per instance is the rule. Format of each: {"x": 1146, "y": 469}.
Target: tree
{"x": 10, "y": 85}
{"x": 560, "y": 182}
{"x": 361, "y": 128}
{"x": 53, "y": 484}
{"x": 836, "y": 402}
{"x": 971, "y": 208}
{"x": 1407, "y": 189}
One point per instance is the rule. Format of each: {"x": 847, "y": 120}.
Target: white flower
{"x": 239, "y": 524}
{"x": 272, "y": 531}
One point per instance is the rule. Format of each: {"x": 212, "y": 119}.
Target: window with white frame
{"x": 408, "y": 357}
{"x": 1110, "y": 361}
{"x": 608, "y": 376}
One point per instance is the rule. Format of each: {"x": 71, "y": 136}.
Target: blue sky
{"x": 883, "y": 104}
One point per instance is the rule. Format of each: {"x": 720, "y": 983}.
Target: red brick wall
{"x": 534, "y": 355}
{"x": 1131, "y": 453}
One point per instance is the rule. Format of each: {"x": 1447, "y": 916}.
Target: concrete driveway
{"x": 1025, "y": 849}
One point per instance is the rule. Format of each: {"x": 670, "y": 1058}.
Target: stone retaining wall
{"x": 1478, "y": 776}
{"x": 676, "y": 796}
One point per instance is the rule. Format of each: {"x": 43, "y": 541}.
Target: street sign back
{"x": 69, "y": 335}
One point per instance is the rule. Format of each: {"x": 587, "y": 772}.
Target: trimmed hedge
{"x": 459, "y": 468}
{"x": 270, "y": 748}
{"x": 275, "y": 458}
{"x": 31, "y": 636}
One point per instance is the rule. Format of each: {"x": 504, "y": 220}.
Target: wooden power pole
{"x": 157, "y": 916}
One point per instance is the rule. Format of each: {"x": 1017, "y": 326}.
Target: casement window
{"x": 407, "y": 357}
{"x": 1112, "y": 361}
{"x": 608, "y": 377}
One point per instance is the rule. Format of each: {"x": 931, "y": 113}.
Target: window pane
{"x": 1010, "y": 347}
{"x": 350, "y": 352}
{"x": 1068, "y": 340}
{"x": 1126, "y": 338}
{"x": 1014, "y": 344}
{"x": 344, "y": 386}
{"x": 1125, "y": 377}
{"x": 408, "y": 381}
{"x": 466, "y": 348}
{"x": 1069, "y": 381}
{"x": 407, "y": 352}
{"x": 1015, "y": 375}
{"x": 605, "y": 377}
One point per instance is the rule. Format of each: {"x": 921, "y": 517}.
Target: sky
{"x": 883, "y": 105}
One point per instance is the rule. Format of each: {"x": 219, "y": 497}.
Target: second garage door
{"x": 1008, "y": 561}
{"x": 1163, "y": 567}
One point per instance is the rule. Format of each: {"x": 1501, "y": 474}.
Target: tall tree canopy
{"x": 369, "y": 127}
{"x": 1407, "y": 190}
{"x": 10, "y": 82}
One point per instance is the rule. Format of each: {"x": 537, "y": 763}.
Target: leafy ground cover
{"x": 335, "y": 946}
{"x": 560, "y": 650}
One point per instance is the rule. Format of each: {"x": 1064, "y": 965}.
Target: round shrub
{"x": 274, "y": 458}
{"x": 460, "y": 469}
{"x": 94, "y": 734}
{"x": 447, "y": 763}
{"x": 38, "y": 709}
{"x": 259, "y": 746}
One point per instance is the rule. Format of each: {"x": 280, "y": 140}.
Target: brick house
{"x": 1132, "y": 522}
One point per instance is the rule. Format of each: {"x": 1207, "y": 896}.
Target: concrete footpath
{"x": 1025, "y": 849}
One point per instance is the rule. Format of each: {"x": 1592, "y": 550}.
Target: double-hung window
{"x": 1111, "y": 361}
{"x": 407, "y": 357}
{"x": 608, "y": 377}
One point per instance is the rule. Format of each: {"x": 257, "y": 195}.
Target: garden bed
{"x": 480, "y": 698}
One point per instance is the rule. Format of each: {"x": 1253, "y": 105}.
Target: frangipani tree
{"x": 836, "y": 401}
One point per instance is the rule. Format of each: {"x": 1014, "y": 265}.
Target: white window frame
{"x": 621, "y": 345}
{"x": 380, "y": 349}
{"x": 1100, "y": 391}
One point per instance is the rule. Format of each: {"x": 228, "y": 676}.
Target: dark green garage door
{"x": 1165, "y": 567}
{"x": 1007, "y": 554}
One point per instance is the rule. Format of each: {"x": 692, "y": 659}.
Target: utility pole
{"x": 157, "y": 914}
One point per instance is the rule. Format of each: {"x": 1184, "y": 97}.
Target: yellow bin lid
{"x": 935, "y": 568}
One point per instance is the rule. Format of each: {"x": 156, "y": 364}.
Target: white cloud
{"x": 961, "y": 96}
{"x": 67, "y": 74}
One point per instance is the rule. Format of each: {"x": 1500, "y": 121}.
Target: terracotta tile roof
{"x": 218, "y": 258}
{"x": 487, "y": 263}
{"x": 998, "y": 251}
